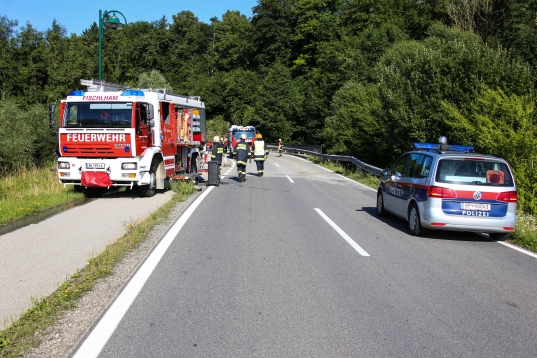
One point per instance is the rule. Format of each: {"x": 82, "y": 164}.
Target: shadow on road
{"x": 401, "y": 225}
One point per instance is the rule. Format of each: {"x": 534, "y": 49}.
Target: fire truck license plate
{"x": 475, "y": 206}
{"x": 94, "y": 165}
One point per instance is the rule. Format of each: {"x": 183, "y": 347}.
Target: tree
{"x": 501, "y": 124}
{"x": 273, "y": 22}
{"x": 355, "y": 126}
{"x": 275, "y": 104}
{"x": 153, "y": 79}
{"x": 7, "y": 65}
{"x": 232, "y": 42}
{"x": 317, "y": 22}
{"x": 217, "y": 127}
{"x": 63, "y": 63}
{"x": 28, "y": 56}
{"x": 414, "y": 77}
{"x": 186, "y": 59}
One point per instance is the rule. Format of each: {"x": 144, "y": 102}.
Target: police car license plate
{"x": 475, "y": 206}
{"x": 94, "y": 165}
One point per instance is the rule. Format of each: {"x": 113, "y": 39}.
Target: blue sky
{"x": 77, "y": 16}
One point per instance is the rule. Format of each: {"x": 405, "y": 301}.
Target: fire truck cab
{"x": 113, "y": 135}
{"x": 235, "y": 134}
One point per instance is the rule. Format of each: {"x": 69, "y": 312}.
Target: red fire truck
{"x": 235, "y": 134}
{"x": 113, "y": 135}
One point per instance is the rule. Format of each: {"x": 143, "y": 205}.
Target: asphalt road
{"x": 297, "y": 264}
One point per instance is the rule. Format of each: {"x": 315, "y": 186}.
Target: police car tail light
{"x": 508, "y": 197}
{"x": 440, "y": 192}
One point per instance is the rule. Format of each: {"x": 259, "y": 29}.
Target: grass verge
{"x": 525, "y": 234}
{"x": 28, "y": 191}
{"x": 23, "y": 334}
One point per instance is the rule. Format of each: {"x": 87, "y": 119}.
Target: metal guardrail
{"x": 339, "y": 158}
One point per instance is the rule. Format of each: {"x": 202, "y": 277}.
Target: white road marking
{"x": 343, "y": 234}
{"x": 514, "y": 247}
{"x": 276, "y": 165}
{"x": 291, "y": 180}
{"x": 102, "y": 332}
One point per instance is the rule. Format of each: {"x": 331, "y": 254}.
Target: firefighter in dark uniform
{"x": 217, "y": 151}
{"x": 260, "y": 154}
{"x": 242, "y": 153}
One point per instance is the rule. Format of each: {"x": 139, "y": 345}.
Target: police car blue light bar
{"x": 452, "y": 147}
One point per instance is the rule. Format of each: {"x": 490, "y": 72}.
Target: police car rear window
{"x": 473, "y": 172}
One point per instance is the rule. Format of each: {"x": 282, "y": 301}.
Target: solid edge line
{"x": 519, "y": 249}
{"x": 101, "y": 333}
{"x": 291, "y": 180}
{"x": 342, "y": 233}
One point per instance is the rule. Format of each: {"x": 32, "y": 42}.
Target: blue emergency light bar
{"x": 77, "y": 93}
{"x": 133, "y": 93}
{"x": 452, "y": 147}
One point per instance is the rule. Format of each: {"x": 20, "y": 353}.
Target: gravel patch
{"x": 62, "y": 339}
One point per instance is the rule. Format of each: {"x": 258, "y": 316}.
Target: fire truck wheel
{"x": 150, "y": 190}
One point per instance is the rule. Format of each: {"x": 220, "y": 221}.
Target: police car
{"x": 449, "y": 187}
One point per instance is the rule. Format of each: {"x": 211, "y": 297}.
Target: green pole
{"x": 100, "y": 45}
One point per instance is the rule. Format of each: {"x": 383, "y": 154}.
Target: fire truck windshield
{"x": 98, "y": 115}
{"x": 249, "y": 135}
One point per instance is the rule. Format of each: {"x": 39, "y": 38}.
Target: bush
{"x": 25, "y": 137}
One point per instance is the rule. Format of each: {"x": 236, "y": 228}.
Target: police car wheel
{"x": 380, "y": 205}
{"x": 414, "y": 224}
{"x": 498, "y": 236}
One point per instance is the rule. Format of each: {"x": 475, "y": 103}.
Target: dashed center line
{"x": 343, "y": 234}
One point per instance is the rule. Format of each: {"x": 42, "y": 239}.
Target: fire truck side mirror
{"x": 51, "y": 109}
{"x": 150, "y": 123}
{"x": 150, "y": 112}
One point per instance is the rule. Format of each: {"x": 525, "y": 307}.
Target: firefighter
{"x": 218, "y": 150}
{"x": 260, "y": 154}
{"x": 242, "y": 152}
{"x": 280, "y": 147}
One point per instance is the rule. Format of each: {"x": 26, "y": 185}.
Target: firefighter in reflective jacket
{"x": 260, "y": 154}
{"x": 217, "y": 151}
{"x": 241, "y": 152}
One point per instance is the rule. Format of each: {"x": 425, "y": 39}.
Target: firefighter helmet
{"x": 243, "y": 136}
{"x": 259, "y": 135}
{"x": 216, "y": 138}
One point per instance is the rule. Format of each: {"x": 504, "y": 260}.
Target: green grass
{"x": 24, "y": 334}
{"x": 28, "y": 191}
{"x": 525, "y": 234}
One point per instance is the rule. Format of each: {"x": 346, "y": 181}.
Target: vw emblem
{"x": 477, "y": 195}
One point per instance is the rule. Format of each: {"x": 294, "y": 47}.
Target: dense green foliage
{"x": 360, "y": 77}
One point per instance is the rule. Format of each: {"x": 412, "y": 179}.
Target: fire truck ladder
{"x": 102, "y": 86}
